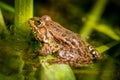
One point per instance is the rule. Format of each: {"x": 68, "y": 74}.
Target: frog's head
{"x": 37, "y": 22}
{"x": 37, "y": 25}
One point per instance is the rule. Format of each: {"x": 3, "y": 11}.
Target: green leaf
{"x": 108, "y": 31}
{"x": 106, "y": 47}
{"x": 2, "y": 23}
{"x": 6, "y": 7}
{"x": 55, "y": 72}
{"x": 93, "y": 18}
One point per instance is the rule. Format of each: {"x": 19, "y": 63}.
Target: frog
{"x": 69, "y": 47}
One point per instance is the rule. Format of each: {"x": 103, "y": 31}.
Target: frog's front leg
{"x": 46, "y": 50}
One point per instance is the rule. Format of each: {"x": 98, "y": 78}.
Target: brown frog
{"x": 68, "y": 46}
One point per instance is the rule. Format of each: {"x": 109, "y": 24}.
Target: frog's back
{"x": 72, "y": 43}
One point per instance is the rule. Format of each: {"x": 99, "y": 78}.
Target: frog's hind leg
{"x": 61, "y": 58}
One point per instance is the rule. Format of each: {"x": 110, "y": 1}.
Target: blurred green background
{"x": 97, "y": 21}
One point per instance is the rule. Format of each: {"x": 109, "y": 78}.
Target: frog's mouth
{"x": 31, "y": 22}
{"x": 32, "y": 25}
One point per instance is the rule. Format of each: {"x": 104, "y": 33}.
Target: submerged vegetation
{"x": 92, "y": 19}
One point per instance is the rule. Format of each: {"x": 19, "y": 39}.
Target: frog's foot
{"x": 56, "y": 61}
{"x": 67, "y": 62}
{"x": 62, "y": 61}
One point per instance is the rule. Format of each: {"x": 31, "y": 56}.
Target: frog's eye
{"x": 38, "y": 22}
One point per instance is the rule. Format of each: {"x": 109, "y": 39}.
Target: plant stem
{"x": 23, "y": 11}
